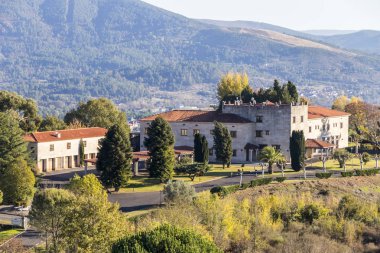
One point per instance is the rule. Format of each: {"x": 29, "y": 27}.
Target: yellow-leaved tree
{"x": 232, "y": 84}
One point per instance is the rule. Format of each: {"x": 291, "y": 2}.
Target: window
{"x": 196, "y": 131}
{"x": 324, "y": 127}
{"x": 301, "y": 118}
{"x": 261, "y": 146}
{"x": 51, "y": 147}
{"x": 335, "y": 125}
{"x": 146, "y": 130}
{"x": 84, "y": 143}
{"x": 211, "y": 152}
{"x": 259, "y": 133}
{"x": 276, "y": 147}
{"x": 68, "y": 145}
{"x": 294, "y": 119}
{"x": 233, "y": 134}
{"x": 259, "y": 119}
{"x": 183, "y": 132}
{"x": 267, "y": 132}
{"x": 328, "y": 127}
{"x": 341, "y": 124}
{"x": 234, "y": 152}
{"x": 309, "y": 129}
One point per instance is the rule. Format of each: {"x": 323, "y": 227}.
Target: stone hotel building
{"x": 254, "y": 126}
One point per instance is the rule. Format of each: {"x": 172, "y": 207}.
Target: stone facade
{"x": 266, "y": 124}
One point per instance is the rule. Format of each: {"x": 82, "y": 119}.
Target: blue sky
{"x": 294, "y": 14}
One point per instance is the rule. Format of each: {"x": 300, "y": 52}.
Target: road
{"x": 143, "y": 200}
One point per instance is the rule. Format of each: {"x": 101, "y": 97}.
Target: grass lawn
{"x": 8, "y": 234}
{"x": 350, "y": 165}
{"x": 146, "y": 184}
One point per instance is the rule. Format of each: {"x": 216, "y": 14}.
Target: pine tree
{"x": 81, "y": 153}
{"x": 115, "y": 158}
{"x": 292, "y": 91}
{"x": 12, "y": 144}
{"x": 160, "y": 145}
{"x": 198, "y": 152}
{"x": 205, "y": 150}
{"x": 297, "y": 150}
{"x": 222, "y": 144}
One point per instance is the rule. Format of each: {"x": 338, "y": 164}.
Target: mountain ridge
{"x": 62, "y": 52}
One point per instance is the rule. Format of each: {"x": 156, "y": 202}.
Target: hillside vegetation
{"x": 60, "y": 52}
{"x": 333, "y": 215}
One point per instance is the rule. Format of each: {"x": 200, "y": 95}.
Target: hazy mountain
{"x": 366, "y": 41}
{"x": 328, "y": 32}
{"x": 60, "y": 52}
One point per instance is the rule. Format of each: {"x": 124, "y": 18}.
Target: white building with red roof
{"x": 57, "y": 150}
{"x": 253, "y": 126}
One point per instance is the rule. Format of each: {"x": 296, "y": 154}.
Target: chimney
{"x": 58, "y": 135}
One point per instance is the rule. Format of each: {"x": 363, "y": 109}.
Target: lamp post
{"x": 361, "y": 161}
{"x": 282, "y": 170}
{"x": 376, "y": 161}
{"x": 241, "y": 177}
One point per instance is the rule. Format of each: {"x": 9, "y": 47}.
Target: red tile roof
{"x": 69, "y": 134}
{"x": 314, "y": 143}
{"x": 316, "y": 112}
{"x": 198, "y": 116}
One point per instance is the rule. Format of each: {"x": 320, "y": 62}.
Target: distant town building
{"x": 253, "y": 126}
{"x": 58, "y": 150}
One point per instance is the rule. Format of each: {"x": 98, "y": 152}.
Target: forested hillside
{"x": 61, "y": 52}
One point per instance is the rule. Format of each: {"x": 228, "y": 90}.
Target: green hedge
{"x": 367, "y": 172}
{"x": 323, "y": 175}
{"x": 261, "y": 181}
{"x": 223, "y": 191}
{"x": 280, "y": 179}
{"x": 347, "y": 174}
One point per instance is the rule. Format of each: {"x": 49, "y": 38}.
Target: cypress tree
{"x": 292, "y": 91}
{"x": 205, "y": 150}
{"x": 198, "y": 151}
{"x": 160, "y": 145}
{"x": 222, "y": 144}
{"x": 115, "y": 158}
{"x": 81, "y": 153}
{"x": 297, "y": 150}
{"x": 12, "y": 144}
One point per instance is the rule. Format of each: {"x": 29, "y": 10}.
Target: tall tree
{"x": 17, "y": 183}
{"x": 81, "y": 153}
{"x": 115, "y": 158}
{"x": 292, "y": 91}
{"x": 12, "y": 144}
{"x": 271, "y": 156}
{"x": 160, "y": 145}
{"x": 52, "y": 123}
{"x": 94, "y": 223}
{"x": 205, "y": 150}
{"x": 297, "y": 150}
{"x": 100, "y": 112}
{"x": 247, "y": 94}
{"x": 26, "y": 109}
{"x": 49, "y": 215}
{"x": 198, "y": 152}
{"x": 222, "y": 144}
{"x": 232, "y": 84}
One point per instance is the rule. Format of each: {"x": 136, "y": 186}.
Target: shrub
{"x": 179, "y": 191}
{"x": 349, "y": 207}
{"x": 310, "y": 213}
{"x": 221, "y": 191}
{"x": 323, "y": 175}
{"x": 261, "y": 181}
{"x": 165, "y": 238}
{"x": 347, "y": 173}
{"x": 367, "y": 146}
{"x": 280, "y": 179}
{"x": 245, "y": 186}
{"x": 232, "y": 188}
{"x": 367, "y": 172}
{"x": 366, "y": 157}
